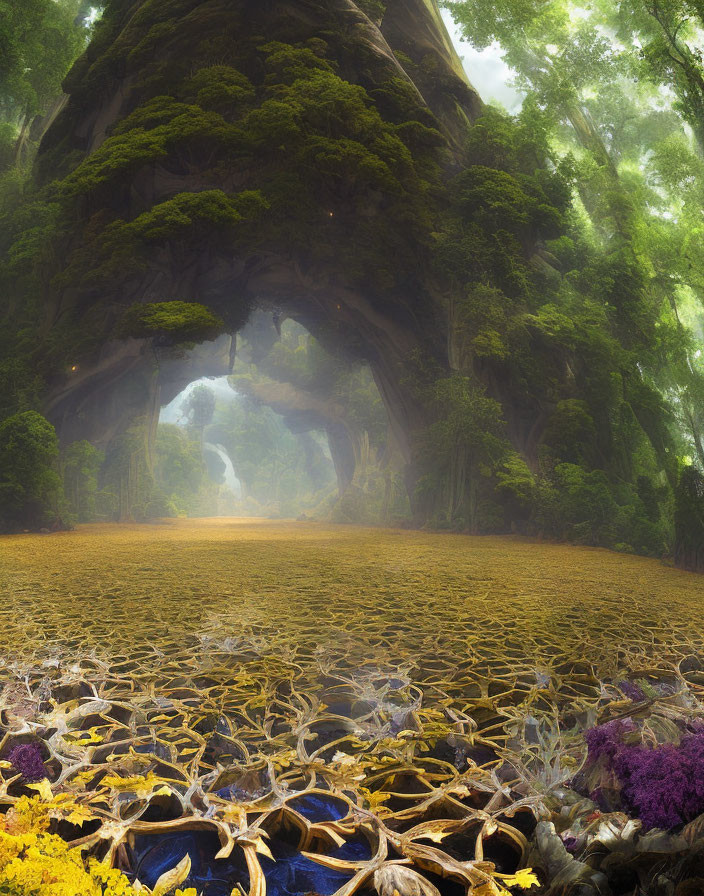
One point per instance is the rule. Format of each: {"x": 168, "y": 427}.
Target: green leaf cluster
{"x": 30, "y": 486}
{"x": 170, "y": 323}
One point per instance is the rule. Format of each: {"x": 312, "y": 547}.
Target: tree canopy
{"x": 39, "y": 40}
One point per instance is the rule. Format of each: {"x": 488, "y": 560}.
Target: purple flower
{"x": 570, "y": 843}
{"x": 607, "y": 739}
{"x": 632, "y": 690}
{"x": 27, "y": 759}
{"x": 663, "y": 785}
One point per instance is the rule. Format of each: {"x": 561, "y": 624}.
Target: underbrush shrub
{"x": 583, "y": 506}
{"x": 159, "y": 506}
{"x": 31, "y": 493}
{"x": 663, "y": 785}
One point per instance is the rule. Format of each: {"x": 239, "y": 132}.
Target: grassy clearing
{"x": 117, "y": 588}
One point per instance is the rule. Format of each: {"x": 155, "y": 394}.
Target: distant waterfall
{"x": 231, "y": 480}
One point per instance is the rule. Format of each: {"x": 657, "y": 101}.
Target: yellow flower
{"x": 36, "y": 863}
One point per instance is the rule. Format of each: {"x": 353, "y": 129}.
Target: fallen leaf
{"x": 43, "y": 788}
{"x": 525, "y": 879}
{"x": 169, "y": 880}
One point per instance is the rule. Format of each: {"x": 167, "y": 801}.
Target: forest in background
{"x": 602, "y": 169}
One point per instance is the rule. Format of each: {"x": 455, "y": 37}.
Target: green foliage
{"x": 573, "y": 329}
{"x": 157, "y": 506}
{"x": 221, "y": 88}
{"x": 689, "y": 520}
{"x": 182, "y": 486}
{"x": 496, "y": 200}
{"x": 186, "y": 222}
{"x": 8, "y": 142}
{"x": 648, "y": 495}
{"x": 199, "y": 407}
{"x": 30, "y": 487}
{"x": 571, "y": 432}
{"x": 590, "y": 508}
{"x": 149, "y": 135}
{"x": 502, "y": 206}
{"x": 668, "y": 36}
{"x": 125, "y": 473}
{"x": 460, "y": 451}
{"x": 39, "y": 39}
{"x": 576, "y": 504}
{"x": 170, "y": 323}
{"x": 20, "y": 386}
{"x": 187, "y": 213}
{"x": 375, "y": 9}
{"x": 80, "y": 465}
{"x": 288, "y": 64}
{"x": 517, "y": 484}
{"x": 30, "y": 229}
{"x": 594, "y": 80}
{"x": 353, "y": 168}
{"x": 178, "y": 465}
{"x": 482, "y": 322}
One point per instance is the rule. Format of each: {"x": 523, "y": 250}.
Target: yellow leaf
{"x": 79, "y": 815}
{"x": 169, "y": 880}
{"x": 63, "y": 805}
{"x": 83, "y": 738}
{"x": 43, "y": 788}
{"x": 285, "y": 758}
{"x": 436, "y": 836}
{"x": 525, "y": 879}
{"x": 137, "y": 784}
{"x": 375, "y": 798}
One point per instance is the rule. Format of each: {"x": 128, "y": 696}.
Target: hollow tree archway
{"x": 181, "y": 190}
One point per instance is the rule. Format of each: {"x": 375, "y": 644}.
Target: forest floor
{"x": 120, "y": 587}
{"x": 399, "y": 669}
